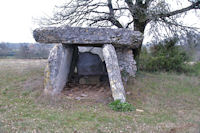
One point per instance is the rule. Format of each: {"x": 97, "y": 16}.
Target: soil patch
{"x": 98, "y": 93}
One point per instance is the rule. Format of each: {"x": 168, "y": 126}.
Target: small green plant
{"x": 117, "y": 105}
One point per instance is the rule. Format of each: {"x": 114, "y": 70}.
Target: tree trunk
{"x": 138, "y": 26}
{"x": 136, "y": 53}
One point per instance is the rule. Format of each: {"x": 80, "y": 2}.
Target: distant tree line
{"x": 24, "y": 50}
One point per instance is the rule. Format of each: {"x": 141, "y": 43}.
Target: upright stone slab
{"x": 58, "y": 68}
{"x": 126, "y": 62}
{"x": 114, "y": 75}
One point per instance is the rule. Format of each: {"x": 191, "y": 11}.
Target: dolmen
{"x": 117, "y": 51}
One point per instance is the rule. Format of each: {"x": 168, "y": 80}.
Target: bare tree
{"x": 133, "y": 14}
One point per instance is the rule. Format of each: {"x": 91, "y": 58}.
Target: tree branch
{"x": 129, "y": 23}
{"x": 111, "y": 17}
{"x": 131, "y": 6}
{"x": 193, "y": 6}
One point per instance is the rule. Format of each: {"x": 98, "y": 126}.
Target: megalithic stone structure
{"x": 117, "y": 46}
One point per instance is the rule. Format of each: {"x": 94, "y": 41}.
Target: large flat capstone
{"x": 88, "y": 36}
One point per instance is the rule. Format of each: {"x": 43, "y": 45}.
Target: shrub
{"x": 117, "y": 105}
{"x": 164, "y": 56}
{"x": 196, "y": 69}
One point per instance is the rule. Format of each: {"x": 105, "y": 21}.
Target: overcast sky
{"x": 17, "y": 17}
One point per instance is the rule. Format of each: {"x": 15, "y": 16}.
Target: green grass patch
{"x": 165, "y": 98}
{"x": 156, "y": 118}
{"x": 117, "y": 105}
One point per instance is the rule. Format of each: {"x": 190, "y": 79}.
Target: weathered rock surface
{"x": 126, "y": 62}
{"x": 57, "y": 70}
{"x": 88, "y": 36}
{"x": 90, "y": 64}
{"x": 114, "y": 74}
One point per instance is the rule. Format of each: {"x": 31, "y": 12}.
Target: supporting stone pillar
{"x": 113, "y": 70}
{"x": 58, "y": 68}
{"x": 127, "y": 63}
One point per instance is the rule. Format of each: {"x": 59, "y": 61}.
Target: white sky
{"x": 16, "y": 18}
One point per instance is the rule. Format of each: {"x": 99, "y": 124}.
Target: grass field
{"x": 170, "y": 104}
